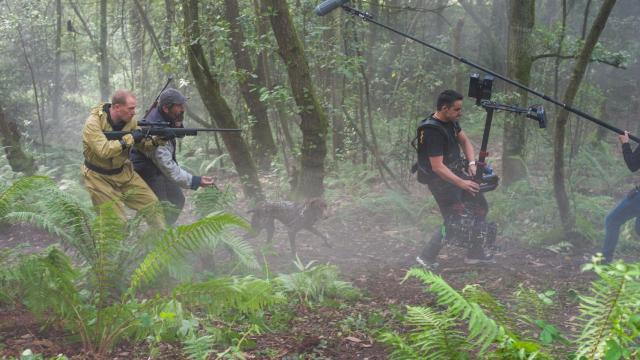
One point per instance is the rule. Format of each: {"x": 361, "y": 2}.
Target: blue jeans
{"x": 627, "y": 209}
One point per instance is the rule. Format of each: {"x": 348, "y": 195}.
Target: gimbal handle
{"x": 368, "y": 17}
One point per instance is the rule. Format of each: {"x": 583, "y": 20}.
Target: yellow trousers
{"x": 126, "y": 188}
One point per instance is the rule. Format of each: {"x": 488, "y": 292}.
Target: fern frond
{"x": 239, "y": 248}
{"x": 208, "y": 200}
{"x": 108, "y": 231}
{"x": 605, "y": 314}
{"x": 177, "y": 241}
{"x": 482, "y": 329}
{"x": 436, "y": 334}
{"x": 199, "y": 348}
{"x": 246, "y": 295}
{"x": 59, "y": 214}
{"x": 47, "y": 283}
{"x": 19, "y": 189}
{"x": 401, "y": 350}
{"x": 490, "y": 305}
{"x": 316, "y": 282}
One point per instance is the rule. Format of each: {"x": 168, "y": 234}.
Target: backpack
{"x": 420, "y": 167}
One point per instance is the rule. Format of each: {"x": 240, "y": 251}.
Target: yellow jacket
{"x": 107, "y": 154}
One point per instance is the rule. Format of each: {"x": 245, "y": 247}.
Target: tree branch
{"x": 614, "y": 63}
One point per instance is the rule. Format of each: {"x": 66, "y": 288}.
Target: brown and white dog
{"x": 294, "y": 216}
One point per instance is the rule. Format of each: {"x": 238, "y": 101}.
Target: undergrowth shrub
{"x": 471, "y": 324}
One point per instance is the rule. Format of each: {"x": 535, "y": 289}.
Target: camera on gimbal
{"x": 480, "y": 89}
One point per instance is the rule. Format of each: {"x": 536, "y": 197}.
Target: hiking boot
{"x": 428, "y": 265}
{"x": 479, "y": 259}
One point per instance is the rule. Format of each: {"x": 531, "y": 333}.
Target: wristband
{"x": 472, "y": 163}
{"x": 123, "y": 144}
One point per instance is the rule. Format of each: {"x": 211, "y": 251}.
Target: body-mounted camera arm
{"x": 369, "y": 18}
{"x": 487, "y": 180}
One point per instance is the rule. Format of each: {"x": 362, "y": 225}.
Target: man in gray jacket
{"x": 158, "y": 166}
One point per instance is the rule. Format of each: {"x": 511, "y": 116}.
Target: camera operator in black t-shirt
{"x": 448, "y": 176}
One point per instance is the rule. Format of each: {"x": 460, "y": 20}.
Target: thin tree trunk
{"x": 209, "y": 90}
{"x": 314, "y": 122}
{"x": 105, "y": 87}
{"x": 566, "y": 216}
{"x": 456, "y": 41}
{"x": 152, "y": 34}
{"x": 170, "y": 9}
{"x": 136, "y": 39}
{"x": 519, "y": 61}
{"x": 36, "y": 98}
{"x": 10, "y": 136}
{"x": 57, "y": 83}
{"x": 264, "y": 147}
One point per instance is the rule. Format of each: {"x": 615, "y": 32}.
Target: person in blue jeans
{"x": 628, "y": 208}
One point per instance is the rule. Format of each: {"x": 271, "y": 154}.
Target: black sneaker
{"x": 479, "y": 259}
{"x": 427, "y": 264}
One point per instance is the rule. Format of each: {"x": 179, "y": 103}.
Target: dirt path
{"x": 374, "y": 253}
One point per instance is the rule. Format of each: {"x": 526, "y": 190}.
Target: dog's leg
{"x": 256, "y": 227}
{"x": 292, "y": 241}
{"x": 319, "y": 234}
{"x": 271, "y": 227}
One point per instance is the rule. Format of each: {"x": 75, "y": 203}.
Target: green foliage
{"x": 609, "y": 315}
{"x": 609, "y": 323}
{"x": 483, "y": 330}
{"x": 433, "y": 333}
{"x": 199, "y": 347}
{"x": 315, "y": 283}
{"x": 93, "y": 301}
{"x": 183, "y": 238}
{"x": 208, "y": 200}
{"x": 246, "y": 295}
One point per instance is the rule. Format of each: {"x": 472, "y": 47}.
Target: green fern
{"x": 209, "y": 200}
{"x": 315, "y": 283}
{"x": 401, "y": 349}
{"x": 607, "y": 315}
{"x": 483, "y": 331}
{"x": 177, "y": 241}
{"x": 199, "y": 347}
{"x": 436, "y": 334}
{"x": 246, "y": 295}
{"x": 10, "y": 196}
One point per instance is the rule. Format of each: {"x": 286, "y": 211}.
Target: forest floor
{"x": 373, "y": 251}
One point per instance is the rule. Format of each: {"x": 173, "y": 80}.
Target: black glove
{"x": 138, "y": 135}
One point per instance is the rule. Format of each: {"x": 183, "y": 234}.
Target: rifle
{"x": 165, "y": 132}
{"x": 162, "y": 129}
{"x": 155, "y": 102}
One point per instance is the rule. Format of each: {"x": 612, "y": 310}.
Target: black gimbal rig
{"x": 481, "y": 91}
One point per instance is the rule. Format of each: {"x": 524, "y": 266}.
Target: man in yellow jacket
{"x": 108, "y": 173}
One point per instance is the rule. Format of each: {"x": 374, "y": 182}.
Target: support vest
{"x": 451, "y": 157}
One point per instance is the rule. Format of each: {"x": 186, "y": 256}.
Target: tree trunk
{"x": 314, "y": 122}
{"x": 152, "y": 33}
{"x": 209, "y": 90}
{"x": 264, "y": 147}
{"x": 105, "y": 88}
{"x": 136, "y": 39}
{"x": 170, "y": 9}
{"x": 566, "y": 216}
{"x": 10, "y": 136}
{"x": 456, "y": 41}
{"x": 519, "y": 61}
{"x": 57, "y": 83}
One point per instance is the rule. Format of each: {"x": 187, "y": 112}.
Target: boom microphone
{"x": 327, "y": 6}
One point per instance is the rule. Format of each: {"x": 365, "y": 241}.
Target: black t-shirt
{"x": 434, "y": 143}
